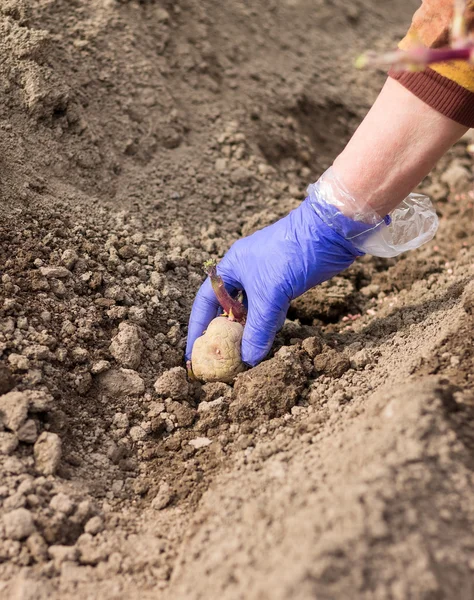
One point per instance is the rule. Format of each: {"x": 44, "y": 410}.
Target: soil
{"x": 138, "y": 139}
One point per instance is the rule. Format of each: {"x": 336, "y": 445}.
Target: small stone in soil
{"x": 200, "y": 442}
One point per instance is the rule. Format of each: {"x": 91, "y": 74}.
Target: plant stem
{"x": 419, "y": 57}
{"x": 416, "y": 58}
{"x": 234, "y": 309}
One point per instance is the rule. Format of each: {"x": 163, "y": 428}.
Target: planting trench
{"x": 137, "y": 140}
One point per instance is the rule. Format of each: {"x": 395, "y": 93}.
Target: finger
{"x": 205, "y": 308}
{"x": 264, "y": 319}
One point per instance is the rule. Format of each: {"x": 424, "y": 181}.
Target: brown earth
{"x": 138, "y": 138}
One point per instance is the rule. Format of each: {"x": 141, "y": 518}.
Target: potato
{"x": 216, "y": 354}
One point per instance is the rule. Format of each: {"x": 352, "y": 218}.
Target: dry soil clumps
{"x": 139, "y": 139}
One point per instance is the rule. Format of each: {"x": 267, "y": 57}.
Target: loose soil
{"x": 137, "y": 139}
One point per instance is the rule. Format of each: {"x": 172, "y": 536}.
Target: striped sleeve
{"x": 447, "y": 87}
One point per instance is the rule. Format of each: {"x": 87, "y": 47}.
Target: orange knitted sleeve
{"x": 447, "y": 87}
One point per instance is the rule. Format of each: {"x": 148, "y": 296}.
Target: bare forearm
{"x": 395, "y": 147}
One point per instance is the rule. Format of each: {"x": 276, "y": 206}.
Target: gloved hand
{"x": 312, "y": 244}
{"x": 275, "y": 265}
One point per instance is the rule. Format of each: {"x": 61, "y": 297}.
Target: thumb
{"x": 205, "y": 308}
{"x": 264, "y": 319}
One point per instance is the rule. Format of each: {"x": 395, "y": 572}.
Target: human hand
{"x": 273, "y": 266}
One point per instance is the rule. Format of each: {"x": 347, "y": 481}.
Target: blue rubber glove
{"x": 275, "y": 265}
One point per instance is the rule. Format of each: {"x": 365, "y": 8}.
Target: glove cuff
{"x": 413, "y": 223}
{"x": 328, "y": 197}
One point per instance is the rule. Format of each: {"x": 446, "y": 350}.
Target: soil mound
{"x": 138, "y": 139}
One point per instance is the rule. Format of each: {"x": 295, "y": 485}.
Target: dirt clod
{"x": 7, "y": 381}
{"x": 163, "y": 497}
{"x": 28, "y": 432}
{"x": 8, "y": 442}
{"x": 47, "y": 452}
{"x": 468, "y": 298}
{"x": 360, "y": 359}
{"x": 312, "y": 346}
{"x": 182, "y": 412}
{"x": 173, "y": 384}
{"x": 121, "y": 382}
{"x": 127, "y": 347}
{"x": 94, "y": 525}
{"x": 332, "y": 363}
{"x": 14, "y": 409}
{"x": 267, "y": 391}
{"x": 215, "y": 390}
{"x": 19, "y": 524}
{"x": 62, "y": 503}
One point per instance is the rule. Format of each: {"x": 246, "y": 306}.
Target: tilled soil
{"x": 138, "y": 139}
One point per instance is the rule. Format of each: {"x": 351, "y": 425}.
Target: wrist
{"x": 394, "y": 148}
{"x": 413, "y": 223}
{"x": 332, "y": 191}
{"x": 338, "y": 209}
